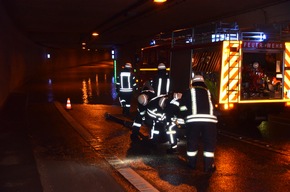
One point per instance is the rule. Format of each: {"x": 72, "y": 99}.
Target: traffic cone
{"x": 68, "y": 104}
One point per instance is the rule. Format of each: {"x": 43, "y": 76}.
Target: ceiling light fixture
{"x": 159, "y": 1}
{"x": 95, "y": 34}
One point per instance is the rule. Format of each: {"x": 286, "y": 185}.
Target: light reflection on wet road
{"x": 85, "y": 85}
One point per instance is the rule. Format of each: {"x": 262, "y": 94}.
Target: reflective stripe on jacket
{"x": 196, "y": 105}
{"x": 126, "y": 82}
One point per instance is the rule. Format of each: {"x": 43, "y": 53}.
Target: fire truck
{"x": 246, "y": 72}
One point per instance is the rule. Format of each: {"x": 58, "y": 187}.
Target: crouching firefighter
{"x": 156, "y": 111}
{"x": 145, "y": 96}
{"x": 173, "y": 122}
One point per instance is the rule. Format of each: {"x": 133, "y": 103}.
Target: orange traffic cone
{"x": 68, "y": 105}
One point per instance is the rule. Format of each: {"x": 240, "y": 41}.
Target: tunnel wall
{"x": 64, "y": 58}
{"x": 21, "y": 59}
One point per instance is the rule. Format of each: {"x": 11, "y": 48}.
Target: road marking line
{"x": 134, "y": 178}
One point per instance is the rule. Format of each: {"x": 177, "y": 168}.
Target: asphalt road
{"x": 80, "y": 150}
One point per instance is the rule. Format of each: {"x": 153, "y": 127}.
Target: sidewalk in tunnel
{"x": 18, "y": 169}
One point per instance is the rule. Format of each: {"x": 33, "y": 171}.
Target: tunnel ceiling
{"x": 68, "y": 23}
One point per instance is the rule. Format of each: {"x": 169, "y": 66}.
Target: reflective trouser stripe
{"x": 171, "y": 133}
{"x": 122, "y": 101}
{"x": 208, "y": 154}
{"x": 153, "y": 131}
{"x": 126, "y": 90}
{"x": 174, "y": 146}
{"x": 191, "y": 153}
{"x": 136, "y": 124}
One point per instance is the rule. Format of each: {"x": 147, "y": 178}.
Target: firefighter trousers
{"x": 125, "y": 101}
{"x": 207, "y": 132}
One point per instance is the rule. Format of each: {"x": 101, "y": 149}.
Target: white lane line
{"x": 135, "y": 179}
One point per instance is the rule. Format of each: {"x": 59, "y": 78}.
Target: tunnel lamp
{"x": 95, "y": 34}
{"x": 159, "y": 1}
{"x": 113, "y": 54}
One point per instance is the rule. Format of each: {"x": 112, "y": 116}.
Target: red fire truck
{"x": 243, "y": 70}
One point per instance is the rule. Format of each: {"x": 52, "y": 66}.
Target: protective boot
{"x": 126, "y": 111}
{"x": 172, "y": 149}
{"x": 209, "y": 166}
{"x": 135, "y": 134}
{"x": 192, "y": 162}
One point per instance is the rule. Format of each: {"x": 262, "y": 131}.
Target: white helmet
{"x": 162, "y": 102}
{"x": 197, "y": 78}
{"x": 161, "y": 66}
{"x": 128, "y": 65}
{"x": 143, "y": 99}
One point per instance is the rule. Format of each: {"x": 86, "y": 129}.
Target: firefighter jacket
{"x": 196, "y": 105}
{"x": 161, "y": 83}
{"x": 143, "y": 100}
{"x": 155, "y": 108}
{"x": 126, "y": 82}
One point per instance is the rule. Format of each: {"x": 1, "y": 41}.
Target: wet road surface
{"x": 80, "y": 150}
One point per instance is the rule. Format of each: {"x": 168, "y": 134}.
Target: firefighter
{"x": 125, "y": 86}
{"x": 197, "y": 109}
{"x": 174, "y": 122}
{"x": 156, "y": 111}
{"x": 145, "y": 96}
{"x": 164, "y": 125}
{"x": 161, "y": 82}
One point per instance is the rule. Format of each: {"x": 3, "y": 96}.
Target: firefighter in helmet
{"x": 125, "y": 85}
{"x": 174, "y": 122}
{"x": 145, "y": 96}
{"x": 164, "y": 125}
{"x": 156, "y": 112}
{"x": 197, "y": 110}
{"x": 161, "y": 82}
